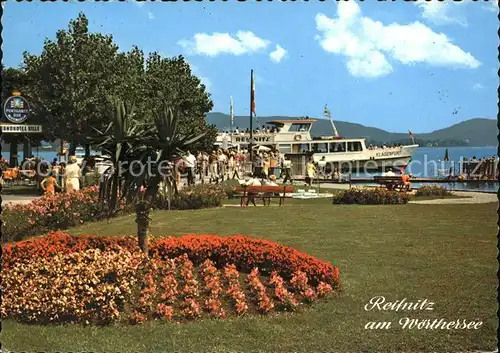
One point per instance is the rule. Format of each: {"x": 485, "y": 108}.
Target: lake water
{"x": 426, "y": 162}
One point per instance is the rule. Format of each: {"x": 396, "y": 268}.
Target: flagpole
{"x": 251, "y": 125}
{"x": 231, "y": 114}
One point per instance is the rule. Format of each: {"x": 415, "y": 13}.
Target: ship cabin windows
{"x": 337, "y": 147}
{"x": 354, "y": 146}
{"x": 300, "y": 148}
{"x": 300, "y": 127}
{"x": 287, "y": 148}
{"x": 319, "y": 147}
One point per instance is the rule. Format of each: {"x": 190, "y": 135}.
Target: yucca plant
{"x": 119, "y": 141}
{"x": 129, "y": 144}
{"x": 159, "y": 148}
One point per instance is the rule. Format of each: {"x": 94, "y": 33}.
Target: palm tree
{"x": 118, "y": 141}
{"x": 132, "y": 144}
{"x": 161, "y": 146}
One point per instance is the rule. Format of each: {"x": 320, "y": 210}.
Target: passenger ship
{"x": 293, "y": 139}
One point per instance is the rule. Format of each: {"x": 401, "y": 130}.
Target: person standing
{"x": 258, "y": 164}
{"x": 266, "y": 166}
{"x": 222, "y": 163}
{"x": 49, "y": 185}
{"x": 72, "y": 175}
{"x": 287, "y": 166}
{"x": 189, "y": 164}
{"x": 199, "y": 165}
{"x": 310, "y": 172}
{"x": 231, "y": 165}
{"x": 214, "y": 175}
{"x": 236, "y": 166}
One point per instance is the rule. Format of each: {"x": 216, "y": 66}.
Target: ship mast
{"x": 328, "y": 115}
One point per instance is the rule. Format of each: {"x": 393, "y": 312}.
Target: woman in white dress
{"x": 72, "y": 175}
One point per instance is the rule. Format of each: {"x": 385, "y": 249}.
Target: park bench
{"x": 265, "y": 192}
{"x": 391, "y": 182}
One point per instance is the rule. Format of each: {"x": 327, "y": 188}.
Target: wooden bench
{"x": 267, "y": 192}
{"x": 391, "y": 182}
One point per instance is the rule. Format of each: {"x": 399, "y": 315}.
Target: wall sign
{"x": 13, "y": 129}
{"x": 16, "y": 108}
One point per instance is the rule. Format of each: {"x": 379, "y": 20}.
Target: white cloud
{"x": 442, "y": 12}
{"x": 278, "y": 54}
{"x": 492, "y": 6}
{"x": 139, "y": 3}
{"x": 223, "y": 43}
{"x": 151, "y": 15}
{"x": 477, "y": 87}
{"x": 452, "y": 12}
{"x": 369, "y": 44}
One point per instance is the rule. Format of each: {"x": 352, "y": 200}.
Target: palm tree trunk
{"x": 142, "y": 211}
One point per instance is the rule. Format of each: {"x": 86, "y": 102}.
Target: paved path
{"x": 469, "y": 198}
{"x": 17, "y": 199}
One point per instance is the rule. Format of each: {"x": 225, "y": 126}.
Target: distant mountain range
{"x": 474, "y": 132}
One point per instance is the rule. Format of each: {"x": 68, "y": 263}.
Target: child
{"x": 48, "y": 185}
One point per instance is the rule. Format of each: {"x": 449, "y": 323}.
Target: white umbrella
{"x": 262, "y": 148}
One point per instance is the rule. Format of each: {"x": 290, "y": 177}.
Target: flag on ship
{"x": 412, "y": 136}
{"x": 327, "y": 113}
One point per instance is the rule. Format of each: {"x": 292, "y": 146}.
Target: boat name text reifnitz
{"x": 255, "y": 138}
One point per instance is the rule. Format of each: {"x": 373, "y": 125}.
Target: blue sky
{"x": 393, "y": 65}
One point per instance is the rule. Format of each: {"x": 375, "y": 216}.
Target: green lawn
{"x": 444, "y": 253}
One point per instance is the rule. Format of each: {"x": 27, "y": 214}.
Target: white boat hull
{"x": 368, "y": 160}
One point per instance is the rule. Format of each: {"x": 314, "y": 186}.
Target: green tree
{"x": 71, "y": 79}
{"x": 148, "y": 147}
{"x": 170, "y": 81}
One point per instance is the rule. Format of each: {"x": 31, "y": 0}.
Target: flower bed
{"x": 377, "y": 196}
{"x": 95, "y": 280}
{"x": 433, "y": 190}
{"x": 62, "y": 211}
{"x": 49, "y": 212}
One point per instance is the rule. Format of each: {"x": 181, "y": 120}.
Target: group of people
{"x": 69, "y": 175}
{"x": 219, "y": 165}
{"x": 373, "y": 147}
{"x": 262, "y": 130}
{"x": 49, "y": 177}
{"x": 224, "y": 164}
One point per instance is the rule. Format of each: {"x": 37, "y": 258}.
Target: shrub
{"x": 199, "y": 196}
{"x": 229, "y": 187}
{"x": 50, "y": 212}
{"x": 433, "y": 190}
{"x": 377, "y": 196}
{"x": 94, "y": 280}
